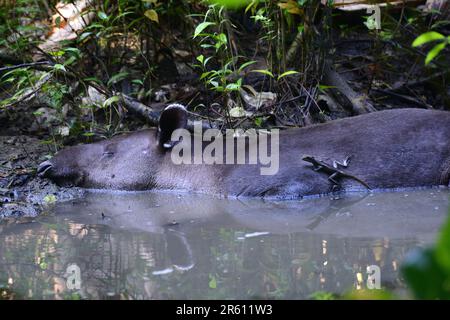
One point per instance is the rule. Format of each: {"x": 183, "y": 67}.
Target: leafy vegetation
{"x": 71, "y": 68}
{"x": 427, "y": 271}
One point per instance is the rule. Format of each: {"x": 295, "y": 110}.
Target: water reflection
{"x": 169, "y": 246}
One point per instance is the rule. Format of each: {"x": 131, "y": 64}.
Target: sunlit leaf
{"x": 434, "y": 52}
{"x": 287, "y": 73}
{"x": 266, "y": 72}
{"x": 202, "y": 26}
{"x": 245, "y": 65}
{"x": 152, "y": 15}
{"x": 110, "y": 101}
{"x": 427, "y": 37}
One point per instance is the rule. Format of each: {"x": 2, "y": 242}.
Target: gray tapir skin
{"x": 390, "y": 149}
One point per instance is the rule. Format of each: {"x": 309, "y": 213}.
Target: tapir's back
{"x": 388, "y": 149}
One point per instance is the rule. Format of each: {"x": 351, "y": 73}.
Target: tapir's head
{"x": 124, "y": 162}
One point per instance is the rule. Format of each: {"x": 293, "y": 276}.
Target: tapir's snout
{"x": 44, "y": 168}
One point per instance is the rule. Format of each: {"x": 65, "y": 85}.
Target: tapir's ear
{"x": 173, "y": 117}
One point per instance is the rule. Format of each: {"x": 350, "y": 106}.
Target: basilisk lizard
{"x": 333, "y": 171}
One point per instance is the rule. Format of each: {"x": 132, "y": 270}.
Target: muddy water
{"x": 178, "y": 246}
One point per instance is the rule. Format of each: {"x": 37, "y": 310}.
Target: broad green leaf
{"x": 266, "y": 72}
{"x": 201, "y": 58}
{"x": 202, "y": 26}
{"x": 434, "y": 52}
{"x": 205, "y": 74}
{"x": 152, "y": 15}
{"x": 427, "y": 37}
{"x": 287, "y": 73}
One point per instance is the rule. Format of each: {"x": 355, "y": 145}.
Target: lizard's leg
{"x": 344, "y": 162}
{"x": 332, "y": 178}
{"x": 317, "y": 168}
{"x": 335, "y": 188}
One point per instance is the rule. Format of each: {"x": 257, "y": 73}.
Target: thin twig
{"x": 25, "y": 65}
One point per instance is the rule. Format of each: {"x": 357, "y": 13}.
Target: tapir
{"x": 400, "y": 148}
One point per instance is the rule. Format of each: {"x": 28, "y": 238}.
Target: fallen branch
{"x": 24, "y": 65}
{"x": 147, "y": 113}
{"x": 418, "y": 82}
{"x": 29, "y": 94}
{"x": 350, "y": 99}
{"x": 404, "y": 98}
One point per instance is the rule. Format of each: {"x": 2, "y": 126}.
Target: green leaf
{"x": 84, "y": 35}
{"x": 324, "y": 87}
{"x": 443, "y": 247}
{"x": 287, "y": 73}
{"x": 59, "y": 67}
{"x": 75, "y": 52}
{"x": 259, "y": 121}
{"x": 117, "y": 77}
{"x": 110, "y": 101}
{"x": 427, "y": 37}
{"x": 102, "y": 15}
{"x": 92, "y": 79}
{"x": 202, "y": 26}
{"x": 434, "y": 52}
{"x": 233, "y": 87}
{"x": 266, "y": 72}
{"x": 69, "y": 61}
{"x": 245, "y": 65}
{"x": 138, "y": 81}
{"x": 57, "y": 53}
{"x": 152, "y": 15}
{"x": 201, "y": 58}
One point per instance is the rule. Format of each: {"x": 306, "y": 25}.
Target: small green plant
{"x": 427, "y": 271}
{"x": 222, "y": 68}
